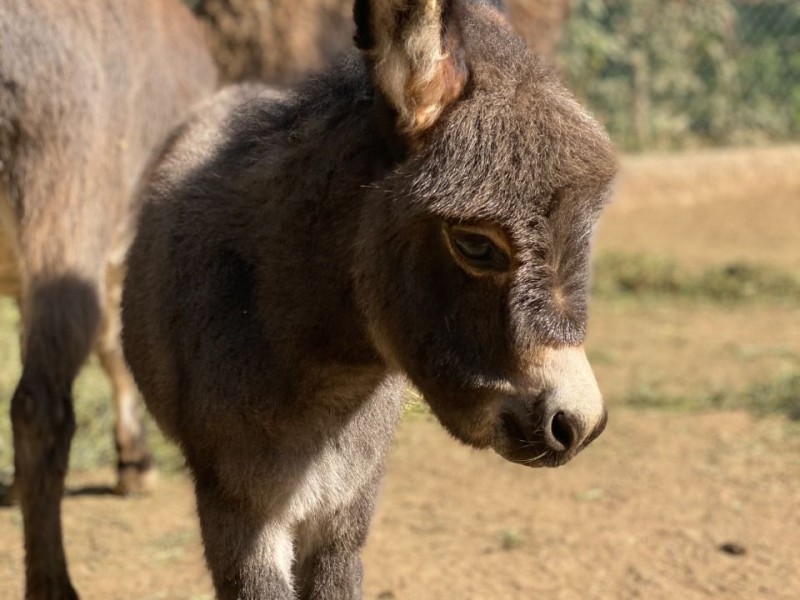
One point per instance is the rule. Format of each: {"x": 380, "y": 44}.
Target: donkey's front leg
{"x": 249, "y": 558}
{"x": 332, "y": 569}
{"x": 334, "y": 572}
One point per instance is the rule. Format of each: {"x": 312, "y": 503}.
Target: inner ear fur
{"x": 415, "y": 56}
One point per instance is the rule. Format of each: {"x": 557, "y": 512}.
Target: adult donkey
{"x": 89, "y": 90}
{"x": 422, "y": 210}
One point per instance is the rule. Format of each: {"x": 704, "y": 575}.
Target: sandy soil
{"x": 645, "y": 513}
{"x": 708, "y": 207}
{"x": 683, "y": 349}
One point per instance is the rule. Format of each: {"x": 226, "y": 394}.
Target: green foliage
{"x": 634, "y": 275}
{"x": 668, "y": 73}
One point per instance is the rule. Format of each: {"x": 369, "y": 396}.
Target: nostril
{"x": 562, "y": 431}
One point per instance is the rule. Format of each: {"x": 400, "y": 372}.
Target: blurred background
{"x": 694, "y": 489}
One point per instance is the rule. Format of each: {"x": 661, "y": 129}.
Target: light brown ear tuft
{"x": 414, "y": 52}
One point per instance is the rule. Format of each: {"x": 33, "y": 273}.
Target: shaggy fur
{"x": 301, "y": 254}
{"x": 89, "y": 90}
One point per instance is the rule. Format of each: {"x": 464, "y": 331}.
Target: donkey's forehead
{"x": 511, "y": 156}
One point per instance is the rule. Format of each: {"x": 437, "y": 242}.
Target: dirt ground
{"x": 707, "y": 207}
{"x": 665, "y": 505}
{"x": 645, "y": 513}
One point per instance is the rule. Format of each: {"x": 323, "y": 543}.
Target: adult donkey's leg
{"x": 60, "y": 319}
{"x": 135, "y": 468}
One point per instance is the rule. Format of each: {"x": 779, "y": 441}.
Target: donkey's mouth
{"x": 525, "y": 446}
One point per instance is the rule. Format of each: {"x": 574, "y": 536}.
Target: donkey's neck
{"x": 305, "y": 207}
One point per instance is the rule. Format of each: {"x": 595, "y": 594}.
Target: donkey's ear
{"x": 415, "y": 57}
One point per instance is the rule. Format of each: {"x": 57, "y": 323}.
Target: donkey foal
{"x": 422, "y": 210}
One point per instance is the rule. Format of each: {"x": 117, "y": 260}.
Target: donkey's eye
{"x": 479, "y": 251}
{"x": 474, "y": 246}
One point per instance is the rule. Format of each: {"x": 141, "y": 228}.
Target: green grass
{"x": 511, "y": 540}
{"x": 415, "y": 404}
{"x": 9, "y": 373}
{"x": 644, "y": 276}
{"x": 777, "y": 395}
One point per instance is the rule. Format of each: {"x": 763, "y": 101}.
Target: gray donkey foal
{"x": 422, "y": 210}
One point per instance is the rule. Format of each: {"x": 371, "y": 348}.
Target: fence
{"x": 681, "y": 73}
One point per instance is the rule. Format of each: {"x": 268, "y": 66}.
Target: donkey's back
{"x": 94, "y": 84}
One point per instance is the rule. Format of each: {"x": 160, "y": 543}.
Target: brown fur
{"x": 89, "y": 90}
{"x": 281, "y": 40}
{"x": 295, "y": 263}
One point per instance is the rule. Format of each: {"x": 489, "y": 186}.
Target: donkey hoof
{"x": 51, "y": 589}
{"x": 138, "y": 477}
